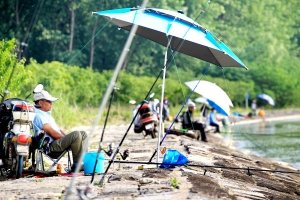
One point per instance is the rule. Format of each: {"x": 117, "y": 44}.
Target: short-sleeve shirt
{"x": 213, "y": 118}
{"x": 42, "y": 118}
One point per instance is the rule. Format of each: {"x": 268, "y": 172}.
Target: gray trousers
{"x": 74, "y": 140}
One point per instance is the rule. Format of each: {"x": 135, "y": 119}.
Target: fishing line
{"x": 9, "y": 80}
{"x": 103, "y": 102}
{"x": 178, "y": 77}
{"x": 102, "y": 135}
{"x": 205, "y": 166}
{"x": 86, "y": 44}
{"x": 69, "y": 62}
{"x": 263, "y": 133}
{"x": 225, "y": 80}
{"x": 173, "y": 55}
{"x": 204, "y": 30}
{"x": 180, "y": 87}
{"x": 39, "y": 5}
{"x": 179, "y": 112}
{"x": 100, "y": 110}
{"x": 252, "y": 141}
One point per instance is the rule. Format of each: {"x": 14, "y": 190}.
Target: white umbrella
{"x": 201, "y": 100}
{"x": 215, "y": 96}
{"x": 267, "y": 98}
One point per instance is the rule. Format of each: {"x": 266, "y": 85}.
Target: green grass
{"x": 175, "y": 183}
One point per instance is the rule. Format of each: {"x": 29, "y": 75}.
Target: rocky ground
{"x": 216, "y": 170}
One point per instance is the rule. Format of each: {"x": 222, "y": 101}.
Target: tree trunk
{"x": 17, "y": 15}
{"x": 55, "y": 42}
{"x": 17, "y": 26}
{"x": 72, "y": 30}
{"x": 93, "y": 44}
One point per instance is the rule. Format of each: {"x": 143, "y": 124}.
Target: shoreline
{"x": 223, "y": 180}
{"x": 268, "y": 119}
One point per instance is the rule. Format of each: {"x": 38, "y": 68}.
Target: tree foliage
{"x": 263, "y": 34}
{"x": 12, "y": 72}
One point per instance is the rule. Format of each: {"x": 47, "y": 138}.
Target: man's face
{"x": 191, "y": 109}
{"x": 46, "y": 105}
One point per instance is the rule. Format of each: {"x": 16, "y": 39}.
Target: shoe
{"x": 73, "y": 168}
{"x": 205, "y": 140}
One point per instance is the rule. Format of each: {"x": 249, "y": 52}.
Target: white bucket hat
{"x": 44, "y": 95}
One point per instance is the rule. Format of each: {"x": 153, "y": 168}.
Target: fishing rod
{"x": 89, "y": 187}
{"x": 132, "y": 121}
{"x": 101, "y": 107}
{"x": 104, "y": 100}
{"x": 110, "y": 151}
{"x": 205, "y": 166}
{"x": 8, "y": 82}
{"x": 165, "y": 66}
{"x": 175, "y": 119}
{"x": 173, "y": 56}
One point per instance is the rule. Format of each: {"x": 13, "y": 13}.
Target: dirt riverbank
{"x": 215, "y": 170}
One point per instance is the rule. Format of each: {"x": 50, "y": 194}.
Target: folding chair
{"x": 41, "y": 149}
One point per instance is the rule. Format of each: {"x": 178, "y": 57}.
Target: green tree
{"x": 13, "y": 75}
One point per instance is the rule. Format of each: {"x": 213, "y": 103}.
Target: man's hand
{"x": 53, "y": 133}
{"x": 62, "y": 132}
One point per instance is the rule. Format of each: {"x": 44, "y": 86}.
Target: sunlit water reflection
{"x": 279, "y": 140}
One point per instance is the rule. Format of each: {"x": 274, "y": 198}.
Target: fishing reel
{"x": 125, "y": 154}
{"x": 110, "y": 149}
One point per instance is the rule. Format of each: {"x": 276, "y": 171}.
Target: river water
{"x": 279, "y": 140}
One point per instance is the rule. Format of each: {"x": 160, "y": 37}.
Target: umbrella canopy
{"x": 186, "y": 35}
{"x": 222, "y": 108}
{"x": 201, "y": 100}
{"x": 176, "y": 31}
{"x": 215, "y": 96}
{"x": 267, "y": 98}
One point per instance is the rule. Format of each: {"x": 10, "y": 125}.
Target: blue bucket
{"x": 89, "y": 162}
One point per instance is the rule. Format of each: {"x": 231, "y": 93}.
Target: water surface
{"x": 279, "y": 140}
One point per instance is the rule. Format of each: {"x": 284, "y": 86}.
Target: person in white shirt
{"x": 59, "y": 140}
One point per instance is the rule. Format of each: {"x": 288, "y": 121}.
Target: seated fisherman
{"x": 189, "y": 123}
{"x": 59, "y": 141}
{"x": 213, "y": 121}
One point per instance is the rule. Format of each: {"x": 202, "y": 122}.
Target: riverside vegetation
{"x": 54, "y": 58}
{"x": 59, "y": 56}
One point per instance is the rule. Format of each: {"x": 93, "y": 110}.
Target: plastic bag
{"x": 173, "y": 158}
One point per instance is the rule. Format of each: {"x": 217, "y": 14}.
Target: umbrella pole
{"x": 201, "y": 113}
{"x": 178, "y": 115}
{"x": 161, "y": 102}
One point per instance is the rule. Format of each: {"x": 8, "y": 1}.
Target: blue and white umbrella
{"x": 267, "y": 98}
{"x": 176, "y": 31}
{"x": 184, "y": 34}
{"x": 216, "y": 97}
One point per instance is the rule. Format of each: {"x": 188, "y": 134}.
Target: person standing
{"x": 213, "y": 120}
{"x": 253, "y": 107}
{"x": 189, "y": 123}
{"x": 167, "y": 107}
{"x": 164, "y": 111}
